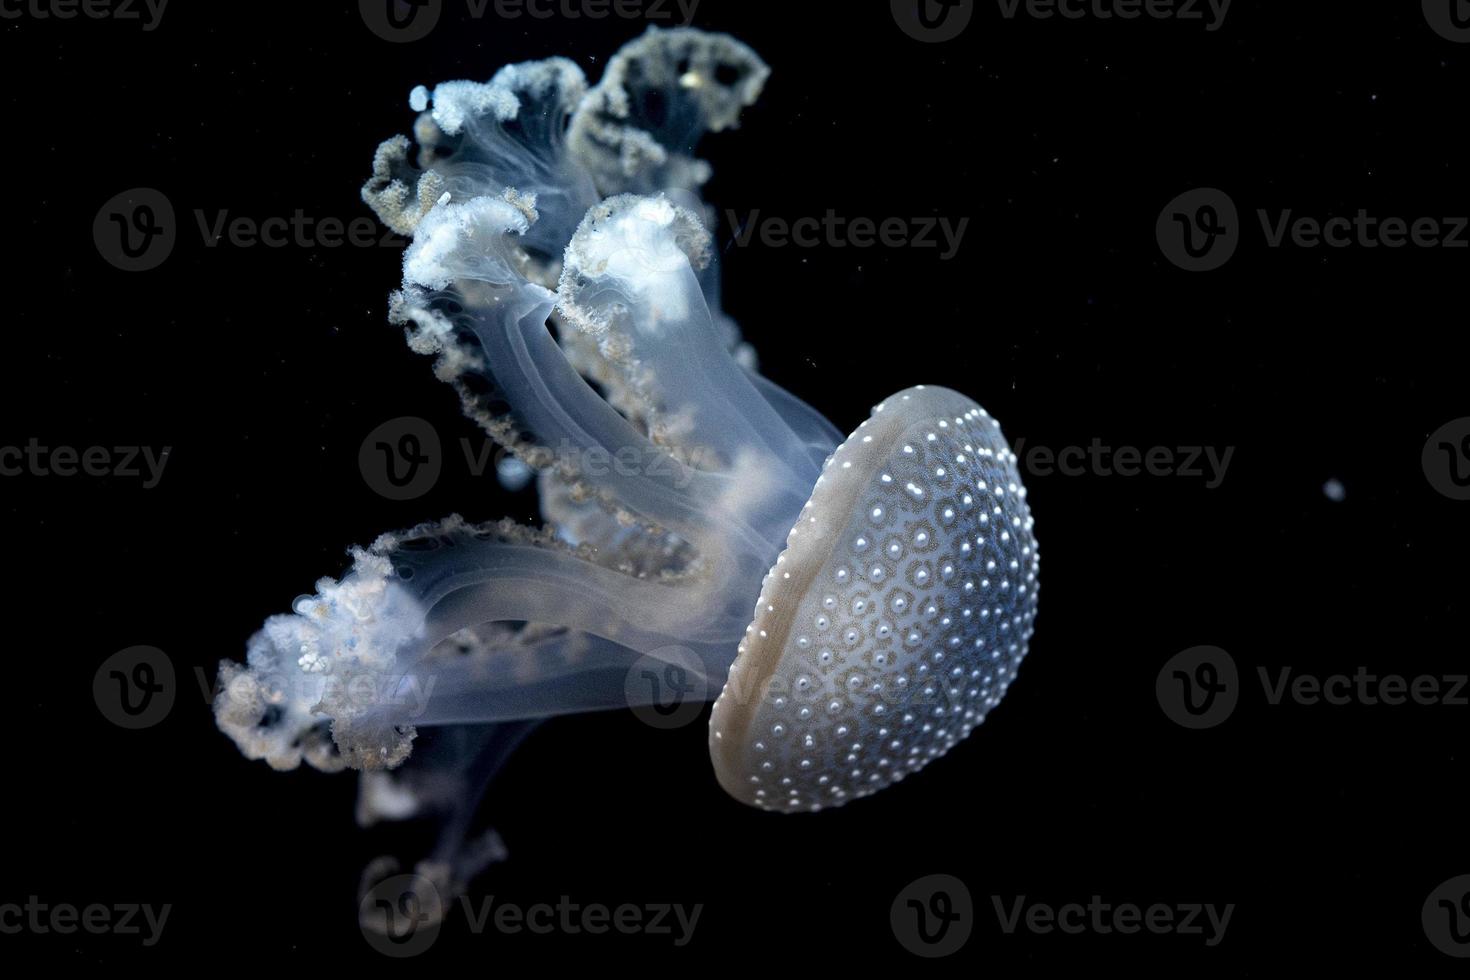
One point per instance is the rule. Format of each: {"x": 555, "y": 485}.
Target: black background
{"x": 264, "y": 369}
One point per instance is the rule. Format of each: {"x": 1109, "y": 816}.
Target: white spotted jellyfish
{"x": 561, "y": 274}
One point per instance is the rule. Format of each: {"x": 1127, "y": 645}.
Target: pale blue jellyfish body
{"x": 561, "y": 276}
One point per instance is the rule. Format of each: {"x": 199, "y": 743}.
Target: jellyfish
{"x": 852, "y": 606}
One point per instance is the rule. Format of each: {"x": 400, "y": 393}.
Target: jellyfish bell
{"x": 894, "y": 619}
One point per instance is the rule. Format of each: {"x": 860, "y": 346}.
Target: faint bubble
{"x": 1334, "y": 491}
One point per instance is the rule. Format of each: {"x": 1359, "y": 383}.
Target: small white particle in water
{"x": 1334, "y": 491}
